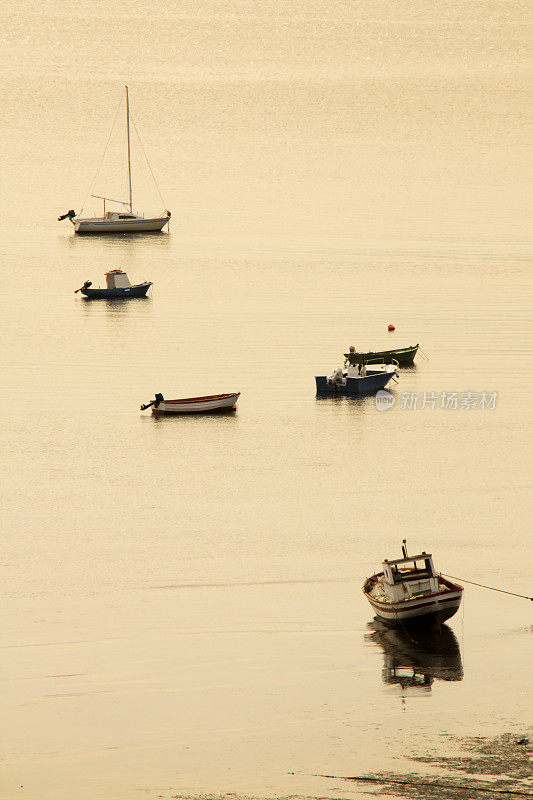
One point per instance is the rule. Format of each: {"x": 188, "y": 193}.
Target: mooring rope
{"x": 503, "y": 591}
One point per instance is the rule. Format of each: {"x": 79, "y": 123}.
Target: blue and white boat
{"x": 118, "y": 287}
{"x": 358, "y": 379}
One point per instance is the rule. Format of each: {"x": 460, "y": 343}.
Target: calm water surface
{"x": 182, "y": 602}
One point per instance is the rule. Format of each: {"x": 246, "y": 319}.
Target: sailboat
{"x": 124, "y": 220}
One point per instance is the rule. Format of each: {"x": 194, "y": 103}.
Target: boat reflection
{"x": 121, "y": 242}
{"x": 415, "y": 661}
{"x": 115, "y": 308}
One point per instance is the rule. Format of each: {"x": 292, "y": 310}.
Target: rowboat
{"x": 193, "y": 405}
{"x": 408, "y": 590}
{"x": 401, "y": 355}
{"x": 118, "y": 286}
{"x": 356, "y": 380}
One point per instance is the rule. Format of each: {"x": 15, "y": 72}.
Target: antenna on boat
{"x": 129, "y": 151}
{"x": 404, "y": 548}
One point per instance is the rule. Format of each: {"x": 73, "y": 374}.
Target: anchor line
{"x": 483, "y": 586}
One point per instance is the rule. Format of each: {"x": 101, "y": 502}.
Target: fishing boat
{"x": 355, "y": 380}
{"x": 193, "y": 405}
{"x": 409, "y": 591}
{"x": 400, "y": 355}
{"x": 123, "y": 220}
{"x": 118, "y": 287}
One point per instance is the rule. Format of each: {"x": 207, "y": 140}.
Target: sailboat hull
{"x": 102, "y": 225}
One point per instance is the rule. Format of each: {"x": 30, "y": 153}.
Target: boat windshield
{"x": 415, "y": 570}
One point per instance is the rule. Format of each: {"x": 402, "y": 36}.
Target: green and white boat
{"x": 400, "y": 355}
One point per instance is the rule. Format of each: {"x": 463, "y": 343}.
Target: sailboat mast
{"x": 129, "y": 151}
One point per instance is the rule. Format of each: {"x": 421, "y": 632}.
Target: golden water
{"x": 181, "y": 597}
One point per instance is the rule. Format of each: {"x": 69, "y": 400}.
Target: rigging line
{"x": 103, "y": 156}
{"x": 146, "y": 158}
{"x": 503, "y": 591}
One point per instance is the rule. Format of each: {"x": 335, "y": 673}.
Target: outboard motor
{"x": 69, "y": 215}
{"x": 85, "y": 286}
{"x": 158, "y": 399}
{"x": 336, "y": 379}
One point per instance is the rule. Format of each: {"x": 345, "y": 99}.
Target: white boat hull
{"x": 439, "y": 605}
{"x": 102, "y": 225}
{"x": 194, "y": 405}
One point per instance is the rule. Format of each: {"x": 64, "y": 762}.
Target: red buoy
{"x": 392, "y": 328}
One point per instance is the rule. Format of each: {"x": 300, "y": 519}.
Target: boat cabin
{"x": 411, "y": 576}
{"x": 117, "y": 279}
{"x": 116, "y": 215}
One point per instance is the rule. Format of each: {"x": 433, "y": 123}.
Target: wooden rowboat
{"x": 193, "y": 405}
{"x": 409, "y": 591}
{"x": 401, "y": 355}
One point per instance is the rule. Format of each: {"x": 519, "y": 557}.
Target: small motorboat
{"x": 193, "y": 405}
{"x": 400, "y": 355}
{"x": 118, "y": 286}
{"x": 409, "y": 591}
{"x": 356, "y": 379}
